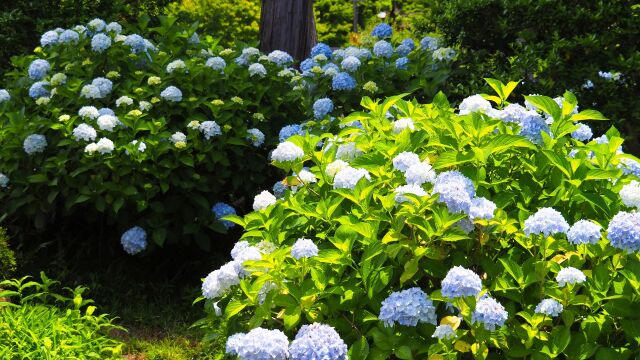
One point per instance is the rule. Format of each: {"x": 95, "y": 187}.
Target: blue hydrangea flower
{"x": 84, "y": 132}
{"x": 209, "y": 129}
{"x": 532, "y": 129}
{"x": 403, "y": 50}
{"x": 114, "y": 27}
{"x": 584, "y": 232}
{"x": 490, "y": 313}
{"x": 350, "y": 64}
{"x": 322, "y": 107}
{"x": 481, "y": 208}
{"x": 134, "y": 240}
{"x": 256, "y": 137}
{"x": 4, "y": 96}
{"x": 171, "y": 93}
{"x": 629, "y": 167}
{"x": 429, "y": 43}
{"x": 343, "y": 81}
{"x": 38, "y": 90}
{"x": 460, "y": 282}
{"x": 570, "y": 275}
{"x": 545, "y": 221}
{"x": 402, "y": 63}
{"x": 330, "y": 69}
{"x": 304, "y": 248}
{"x": 257, "y": 69}
{"x": 216, "y": 63}
{"x": 383, "y": 49}
{"x": 348, "y": 177}
{"x": 382, "y": 30}
{"x": 136, "y": 43}
{"x": 49, "y": 38}
{"x": 259, "y": 344}
{"x": 280, "y": 58}
{"x": 455, "y": 190}
{"x": 279, "y": 189}
{"x": 404, "y": 160}
{"x": 106, "y": 111}
{"x": 549, "y": 307}
{"x": 407, "y": 307}
{"x": 323, "y": 49}
{"x": 308, "y": 64}
{"x": 444, "y": 54}
{"x": 69, "y": 36}
{"x": 34, "y": 143}
{"x": 39, "y": 69}
{"x": 100, "y": 43}
{"x": 624, "y": 231}
{"x": 583, "y": 133}
{"x": 445, "y": 332}
{"x": 4, "y": 180}
{"x": 317, "y": 342}
{"x": 409, "y": 43}
{"x": 221, "y": 210}
{"x": 103, "y": 85}
{"x": 290, "y": 130}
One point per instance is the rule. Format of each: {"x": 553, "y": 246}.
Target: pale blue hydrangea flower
{"x": 383, "y": 49}
{"x": 348, "y": 151}
{"x": 114, "y": 27}
{"x": 286, "y": 152}
{"x": 570, "y": 275}
{"x": 322, "y": 107}
{"x": 100, "y": 43}
{"x": 144, "y": 106}
{"x": 279, "y": 189}
{"x": 532, "y": 129}
{"x": 216, "y": 63}
{"x": 38, "y": 69}
{"x": 444, "y": 332}
{"x": 407, "y": 307}
{"x": 104, "y": 86}
{"x": 583, "y": 133}
{"x": 34, "y": 143}
{"x": 69, "y": 36}
{"x": 280, "y": 58}
{"x": 630, "y": 194}
{"x": 490, "y": 313}
{"x": 97, "y": 25}
{"x": 343, "y": 82}
{"x": 444, "y": 54}
{"x": 404, "y": 160}
{"x": 420, "y": 173}
{"x": 38, "y": 90}
{"x": 290, "y": 130}
{"x": 304, "y": 248}
{"x": 629, "y": 167}
{"x": 194, "y": 39}
{"x": 4, "y": 96}
{"x": 460, "y": 282}
{"x": 624, "y": 231}
{"x": 549, "y": 307}
{"x": 210, "y": 129}
{"x": 263, "y": 200}
{"x": 134, "y": 240}
{"x": 256, "y": 137}
{"x": 350, "y": 64}
{"x": 221, "y": 280}
{"x": 172, "y": 94}
{"x": 402, "y": 51}
{"x": 259, "y": 344}
{"x": 348, "y": 178}
{"x": 514, "y": 113}
{"x": 49, "y": 38}
{"x": 402, "y": 124}
{"x": 84, "y": 132}
{"x": 409, "y": 43}
{"x": 382, "y": 30}
{"x": 455, "y": 190}
{"x": 474, "y": 103}
{"x": 546, "y": 221}
{"x": 221, "y": 210}
{"x": 136, "y": 43}
{"x": 321, "y": 48}
{"x": 58, "y": 79}
{"x": 408, "y": 189}
{"x": 402, "y": 63}
{"x": 317, "y": 342}
{"x": 90, "y": 92}
{"x": 429, "y": 43}
{"x": 104, "y": 111}
{"x": 264, "y": 291}
{"x": 4, "y": 180}
{"x": 257, "y": 69}
{"x": 588, "y": 85}
{"x": 584, "y": 232}
{"x": 481, "y": 208}
{"x": 465, "y": 225}
{"x": 89, "y": 112}
{"x": 176, "y": 65}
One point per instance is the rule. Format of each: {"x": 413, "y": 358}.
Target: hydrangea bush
{"x": 160, "y": 128}
{"x": 505, "y": 242}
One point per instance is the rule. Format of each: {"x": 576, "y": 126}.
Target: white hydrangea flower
{"x": 84, "y": 132}
{"x": 287, "y": 151}
{"x": 348, "y": 178}
{"x": 176, "y": 65}
{"x": 209, "y": 129}
{"x": 89, "y": 112}
{"x": 408, "y": 189}
{"x": 107, "y": 122}
{"x": 178, "y": 137}
{"x": 105, "y": 146}
{"x": 630, "y": 194}
{"x": 124, "y": 100}
{"x": 474, "y": 103}
{"x": 333, "y": 168}
{"x": 263, "y": 200}
{"x": 348, "y": 152}
{"x": 404, "y": 160}
{"x": 401, "y": 124}
{"x": 420, "y": 173}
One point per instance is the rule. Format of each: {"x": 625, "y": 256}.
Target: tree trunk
{"x": 288, "y": 25}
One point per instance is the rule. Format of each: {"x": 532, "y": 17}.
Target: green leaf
{"x": 38, "y": 178}
{"x": 545, "y": 104}
{"x": 410, "y": 269}
{"x": 233, "y": 308}
{"x": 497, "y": 86}
{"x": 403, "y": 352}
{"x": 588, "y": 115}
{"x": 359, "y": 350}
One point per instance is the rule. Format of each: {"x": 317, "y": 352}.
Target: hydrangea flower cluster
{"x": 304, "y": 248}
{"x": 256, "y": 137}
{"x": 420, "y": 173}
{"x": 84, "y": 132}
{"x": 444, "y": 332}
{"x": 221, "y": 210}
{"x": 348, "y": 151}
{"x": 210, "y": 129}
{"x": 349, "y": 177}
{"x": 134, "y": 240}
{"x": 322, "y": 107}
{"x": 630, "y": 194}
{"x": 455, "y": 190}
{"x": 287, "y": 152}
{"x": 317, "y": 341}
{"x": 408, "y": 189}
{"x": 460, "y": 282}
{"x": 549, "y": 307}
{"x": 407, "y": 307}
{"x": 382, "y": 30}
{"x": 624, "y": 231}
{"x": 100, "y": 43}
{"x": 583, "y": 133}
{"x": 570, "y": 275}
{"x": 383, "y": 49}
{"x": 4, "y": 180}
{"x": 34, "y": 143}
{"x": 257, "y": 69}
{"x": 39, "y": 90}
{"x": 545, "y": 221}
{"x": 263, "y": 200}
{"x": 489, "y": 313}
{"x": 4, "y": 96}
{"x": 176, "y": 65}
{"x": 39, "y": 69}
{"x": 259, "y": 344}
{"x": 107, "y": 122}
{"x": 350, "y": 64}
{"x": 221, "y": 280}
{"x": 290, "y": 130}
{"x": 343, "y": 82}
{"x": 584, "y": 232}
{"x": 280, "y": 58}
{"x": 402, "y": 124}
{"x": 171, "y": 93}
{"x": 216, "y": 63}
{"x": 403, "y": 161}
{"x": 321, "y": 49}
{"x": 474, "y": 103}
{"x": 481, "y": 208}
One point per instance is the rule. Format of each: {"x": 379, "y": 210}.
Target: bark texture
{"x": 288, "y": 25}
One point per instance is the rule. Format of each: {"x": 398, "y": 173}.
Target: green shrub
{"x": 7, "y": 258}
{"x": 99, "y": 189}
{"x": 40, "y": 323}
{"x": 416, "y": 190}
